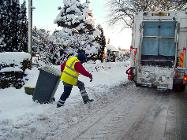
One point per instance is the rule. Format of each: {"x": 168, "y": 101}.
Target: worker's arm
{"x": 63, "y": 66}
{"x": 80, "y": 69}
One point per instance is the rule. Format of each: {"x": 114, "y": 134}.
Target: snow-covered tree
{"x": 40, "y": 42}
{"x": 123, "y": 11}
{"x": 12, "y": 36}
{"x": 10, "y": 17}
{"x": 44, "y": 45}
{"x": 78, "y": 28}
{"x": 4, "y": 18}
{"x": 1, "y": 26}
{"x": 23, "y": 29}
{"x": 102, "y": 41}
{"x": 63, "y": 47}
{"x": 77, "y": 33}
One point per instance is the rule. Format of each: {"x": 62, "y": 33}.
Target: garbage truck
{"x": 158, "y": 50}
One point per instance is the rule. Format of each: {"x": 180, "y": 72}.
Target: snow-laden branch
{"x": 123, "y": 11}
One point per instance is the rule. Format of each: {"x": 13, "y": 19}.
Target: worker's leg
{"x": 83, "y": 92}
{"x": 65, "y": 94}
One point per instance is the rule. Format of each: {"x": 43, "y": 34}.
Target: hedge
{"x": 12, "y": 68}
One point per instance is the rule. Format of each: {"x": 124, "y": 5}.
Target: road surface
{"x": 123, "y": 112}
{"x": 134, "y": 113}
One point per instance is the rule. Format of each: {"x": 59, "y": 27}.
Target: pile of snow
{"x": 19, "y": 114}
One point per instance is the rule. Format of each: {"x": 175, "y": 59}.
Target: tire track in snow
{"x": 113, "y": 121}
{"x": 126, "y": 113}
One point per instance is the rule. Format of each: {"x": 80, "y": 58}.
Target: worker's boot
{"x": 88, "y": 100}
{"x": 60, "y": 103}
{"x": 84, "y": 93}
{"x": 85, "y": 97}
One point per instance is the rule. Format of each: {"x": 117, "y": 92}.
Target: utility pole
{"x": 30, "y": 27}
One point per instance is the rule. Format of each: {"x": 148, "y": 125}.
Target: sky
{"x": 46, "y": 11}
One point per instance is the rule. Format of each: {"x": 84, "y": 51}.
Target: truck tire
{"x": 137, "y": 84}
{"x": 179, "y": 87}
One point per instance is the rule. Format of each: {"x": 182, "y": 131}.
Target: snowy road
{"x": 133, "y": 114}
{"x": 124, "y": 112}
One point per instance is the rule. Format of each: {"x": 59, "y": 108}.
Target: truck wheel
{"x": 182, "y": 87}
{"x": 179, "y": 87}
{"x": 137, "y": 84}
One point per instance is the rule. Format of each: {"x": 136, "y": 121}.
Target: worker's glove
{"x": 91, "y": 77}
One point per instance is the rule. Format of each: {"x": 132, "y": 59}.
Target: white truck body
{"x": 158, "y": 49}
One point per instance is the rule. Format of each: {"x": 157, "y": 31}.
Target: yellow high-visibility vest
{"x": 69, "y": 75}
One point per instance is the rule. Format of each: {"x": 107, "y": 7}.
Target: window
{"x": 158, "y": 45}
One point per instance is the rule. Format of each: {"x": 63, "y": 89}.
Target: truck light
{"x": 185, "y": 78}
{"x": 130, "y": 73}
{"x": 184, "y": 49}
{"x": 131, "y": 48}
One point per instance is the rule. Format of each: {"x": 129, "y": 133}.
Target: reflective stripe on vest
{"x": 69, "y": 75}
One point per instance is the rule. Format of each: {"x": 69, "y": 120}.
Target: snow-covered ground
{"x": 18, "y": 111}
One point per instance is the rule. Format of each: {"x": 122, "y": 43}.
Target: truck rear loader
{"x": 158, "y": 50}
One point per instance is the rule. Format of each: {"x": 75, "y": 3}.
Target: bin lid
{"x": 51, "y": 69}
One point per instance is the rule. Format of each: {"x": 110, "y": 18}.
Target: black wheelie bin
{"x": 46, "y": 85}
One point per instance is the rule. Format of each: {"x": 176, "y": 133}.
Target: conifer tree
{"x": 79, "y": 31}
{"x": 4, "y": 18}
{"x": 23, "y": 29}
{"x": 1, "y": 26}
{"x": 13, "y": 26}
{"x": 13, "y": 12}
{"x": 102, "y": 42}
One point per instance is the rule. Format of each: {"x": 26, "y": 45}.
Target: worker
{"x": 70, "y": 72}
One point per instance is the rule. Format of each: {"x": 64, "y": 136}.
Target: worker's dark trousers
{"x": 68, "y": 88}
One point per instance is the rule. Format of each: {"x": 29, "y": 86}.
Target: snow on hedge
{"x": 10, "y": 69}
{"x": 16, "y": 58}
